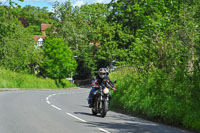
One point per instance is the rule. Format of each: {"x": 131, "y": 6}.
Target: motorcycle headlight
{"x": 106, "y": 91}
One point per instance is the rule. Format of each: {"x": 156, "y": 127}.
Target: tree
{"x": 59, "y": 61}
{"x": 100, "y": 33}
{"x": 72, "y": 27}
{"x": 17, "y": 51}
{"x": 34, "y": 17}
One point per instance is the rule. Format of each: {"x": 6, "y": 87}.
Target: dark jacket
{"x": 106, "y": 80}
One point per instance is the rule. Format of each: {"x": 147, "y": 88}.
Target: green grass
{"x": 173, "y": 99}
{"x": 10, "y": 79}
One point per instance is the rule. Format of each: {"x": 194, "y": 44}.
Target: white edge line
{"x": 56, "y": 107}
{"x": 47, "y": 98}
{"x": 103, "y": 130}
{"x": 48, "y": 102}
{"x": 76, "y": 117}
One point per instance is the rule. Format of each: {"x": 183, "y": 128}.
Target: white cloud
{"x": 3, "y": 1}
{"x": 99, "y": 1}
{"x": 51, "y": 1}
{"x": 79, "y": 3}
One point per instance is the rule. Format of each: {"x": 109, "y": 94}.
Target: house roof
{"x": 36, "y": 37}
{"x": 44, "y": 26}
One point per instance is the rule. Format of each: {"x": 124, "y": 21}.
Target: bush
{"x": 158, "y": 96}
{"x": 192, "y": 120}
{"x": 59, "y": 61}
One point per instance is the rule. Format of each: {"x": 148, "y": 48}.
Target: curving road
{"x": 65, "y": 111}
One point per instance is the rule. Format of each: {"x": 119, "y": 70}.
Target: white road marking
{"x": 56, "y": 107}
{"x": 47, "y": 100}
{"x": 76, "y": 117}
{"x": 103, "y": 130}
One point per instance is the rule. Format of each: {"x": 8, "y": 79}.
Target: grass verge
{"x": 10, "y": 79}
{"x": 171, "y": 99}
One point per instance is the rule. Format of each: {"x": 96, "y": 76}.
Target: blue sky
{"x": 49, "y": 3}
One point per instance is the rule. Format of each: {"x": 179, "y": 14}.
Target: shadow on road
{"x": 84, "y": 106}
{"x": 83, "y": 113}
{"x": 88, "y": 114}
{"x": 125, "y": 124}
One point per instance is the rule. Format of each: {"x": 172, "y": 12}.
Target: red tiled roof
{"x": 44, "y": 26}
{"x": 36, "y": 37}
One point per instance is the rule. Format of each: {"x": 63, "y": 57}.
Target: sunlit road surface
{"x": 65, "y": 111}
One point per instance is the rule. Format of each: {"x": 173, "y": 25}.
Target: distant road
{"x": 65, "y": 111}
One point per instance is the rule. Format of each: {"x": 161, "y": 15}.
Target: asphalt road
{"x": 65, "y": 111}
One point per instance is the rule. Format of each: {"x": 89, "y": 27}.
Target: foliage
{"x": 11, "y": 79}
{"x": 159, "y": 39}
{"x": 84, "y": 28}
{"x": 35, "y": 15}
{"x": 59, "y": 62}
{"x": 165, "y": 54}
{"x": 157, "y": 96}
{"x": 20, "y": 56}
{"x": 99, "y": 32}
{"x": 73, "y": 30}
{"x": 17, "y": 50}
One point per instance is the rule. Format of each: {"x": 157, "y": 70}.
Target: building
{"x": 43, "y": 28}
{"x": 39, "y": 39}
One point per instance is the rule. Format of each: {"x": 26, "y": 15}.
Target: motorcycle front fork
{"x": 102, "y": 100}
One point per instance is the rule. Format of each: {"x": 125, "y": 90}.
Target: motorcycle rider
{"x": 101, "y": 77}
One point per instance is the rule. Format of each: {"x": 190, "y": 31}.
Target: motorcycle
{"x": 101, "y": 99}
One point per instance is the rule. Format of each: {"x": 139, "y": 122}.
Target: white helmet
{"x": 103, "y": 72}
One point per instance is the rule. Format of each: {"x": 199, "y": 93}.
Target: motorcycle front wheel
{"x": 94, "y": 112}
{"x": 104, "y": 109}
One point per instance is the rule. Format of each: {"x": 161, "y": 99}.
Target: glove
{"x": 114, "y": 88}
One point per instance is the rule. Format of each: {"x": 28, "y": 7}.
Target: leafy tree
{"x": 100, "y": 32}
{"x": 59, "y": 61}
{"x": 17, "y": 50}
{"x": 88, "y": 25}
{"x": 165, "y": 49}
{"x": 70, "y": 26}
{"x": 35, "y": 15}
